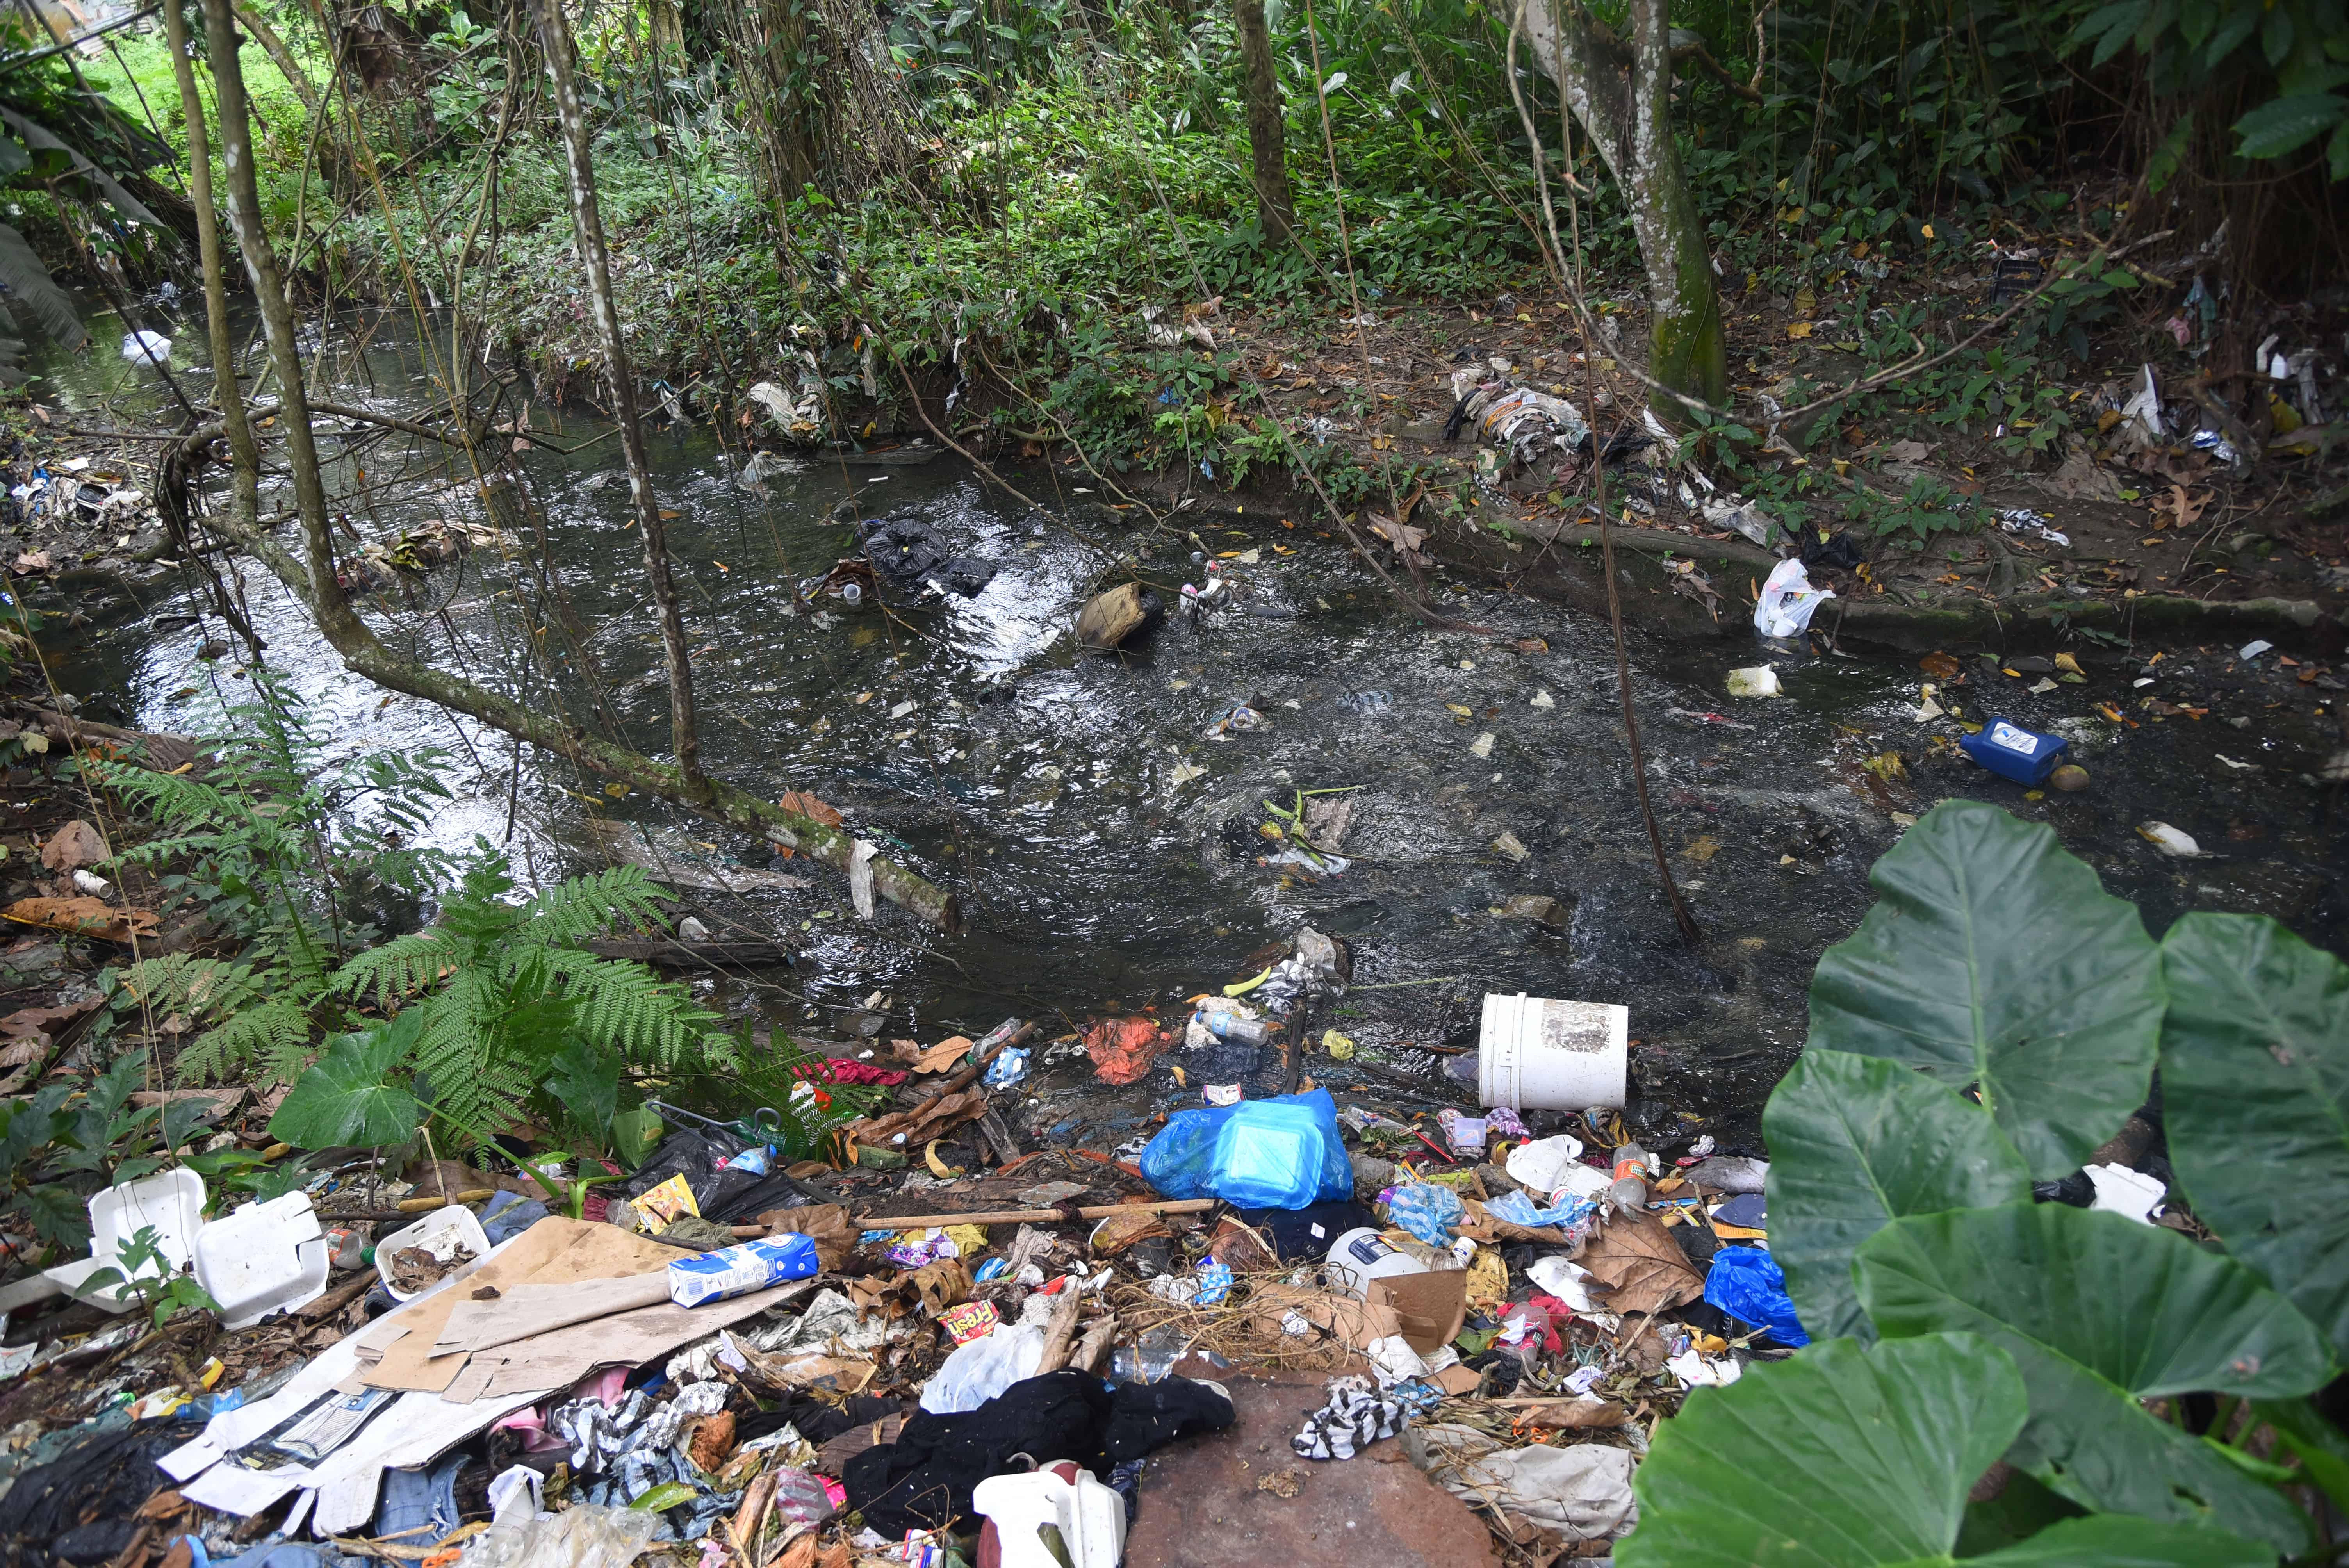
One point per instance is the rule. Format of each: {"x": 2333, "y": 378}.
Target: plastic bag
{"x": 978, "y": 1371}
{"x": 1747, "y": 1284}
{"x": 1278, "y": 1153}
{"x": 1425, "y": 1210}
{"x": 1788, "y": 601}
{"x": 582, "y": 1536}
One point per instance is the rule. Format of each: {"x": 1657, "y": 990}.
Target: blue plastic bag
{"x": 1279, "y": 1153}
{"x": 1425, "y": 1210}
{"x": 1747, "y": 1284}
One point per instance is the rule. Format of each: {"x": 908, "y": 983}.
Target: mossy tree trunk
{"x": 1268, "y": 131}
{"x": 1620, "y": 90}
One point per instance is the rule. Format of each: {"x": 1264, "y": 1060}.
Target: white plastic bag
{"x": 978, "y": 1371}
{"x": 1788, "y": 601}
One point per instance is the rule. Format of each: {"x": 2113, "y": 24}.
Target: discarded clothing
{"x": 922, "y": 1480}
{"x": 420, "y": 1505}
{"x": 1306, "y": 1234}
{"x": 102, "y": 1479}
{"x": 1146, "y": 1417}
{"x": 840, "y": 1069}
{"x": 1583, "y": 1492}
{"x": 1355, "y": 1417}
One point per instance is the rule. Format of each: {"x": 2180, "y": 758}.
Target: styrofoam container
{"x": 441, "y": 1234}
{"x": 171, "y": 1203}
{"x": 1536, "y": 1053}
{"x": 263, "y": 1258}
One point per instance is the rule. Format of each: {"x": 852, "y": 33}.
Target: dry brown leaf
{"x": 73, "y": 846}
{"x": 943, "y": 1056}
{"x": 1636, "y": 1256}
{"x": 83, "y": 916}
{"x": 40, "y": 1023}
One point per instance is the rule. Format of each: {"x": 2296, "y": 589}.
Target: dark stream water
{"x": 1103, "y": 835}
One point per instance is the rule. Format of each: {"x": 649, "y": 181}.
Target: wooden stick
{"x": 422, "y": 1205}
{"x": 1027, "y": 1216}
{"x": 339, "y": 1297}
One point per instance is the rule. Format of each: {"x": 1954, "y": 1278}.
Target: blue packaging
{"x": 2013, "y": 752}
{"x": 1279, "y": 1153}
{"x": 741, "y": 1268}
{"x": 1747, "y": 1284}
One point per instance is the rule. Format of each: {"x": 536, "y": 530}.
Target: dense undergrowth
{"x": 1064, "y": 172}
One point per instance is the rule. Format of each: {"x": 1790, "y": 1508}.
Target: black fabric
{"x": 98, "y": 1482}
{"x": 95, "y": 1542}
{"x": 1146, "y": 1417}
{"x": 1306, "y": 1234}
{"x": 922, "y": 1480}
{"x": 813, "y": 1420}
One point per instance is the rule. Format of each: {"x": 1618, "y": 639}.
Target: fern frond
{"x": 401, "y": 967}
{"x": 626, "y": 1007}
{"x": 578, "y": 908}
{"x": 276, "y": 1032}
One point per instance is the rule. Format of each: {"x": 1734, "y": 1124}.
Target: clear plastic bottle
{"x": 1233, "y": 1028}
{"x": 1630, "y": 1188}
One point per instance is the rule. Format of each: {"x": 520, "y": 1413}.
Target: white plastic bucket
{"x": 1536, "y": 1053}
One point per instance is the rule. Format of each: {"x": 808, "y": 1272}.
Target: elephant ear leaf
{"x": 1858, "y": 1143}
{"x": 346, "y": 1099}
{"x": 1994, "y": 960}
{"x": 2101, "y": 1314}
{"x": 1853, "y": 1458}
{"x": 2255, "y": 1081}
{"x": 29, "y": 284}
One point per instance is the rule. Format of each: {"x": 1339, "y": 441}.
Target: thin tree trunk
{"x": 326, "y": 591}
{"x": 1622, "y": 95}
{"x": 279, "y": 54}
{"x": 1267, "y": 130}
{"x": 246, "y": 462}
{"x": 555, "y": 43}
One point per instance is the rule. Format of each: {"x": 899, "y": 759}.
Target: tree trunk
{"x": 325, "y": 593}
{"x": 247, "y": 471}
{"x": 279, "y": 54}
{"x": 1267, "y": 130}
{"x": 1622, "y": 93}
{"x": 554, "y": 42}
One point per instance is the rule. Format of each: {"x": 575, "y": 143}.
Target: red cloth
{"x": 840, "y": 1069}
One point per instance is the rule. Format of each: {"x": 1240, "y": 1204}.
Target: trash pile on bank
{"x": 1269, "y": 1316}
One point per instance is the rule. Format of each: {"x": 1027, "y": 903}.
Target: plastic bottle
{"x": 1361, "y": 1255}
{"x": 1233, "y": 1028}
{"x": 1630, "y": 1189}
{"x": 347, "y": 1249}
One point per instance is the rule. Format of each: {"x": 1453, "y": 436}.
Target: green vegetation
{"x": 1994, "y": 1020}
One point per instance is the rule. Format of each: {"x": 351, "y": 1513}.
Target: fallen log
{"x": 668, "y": 951}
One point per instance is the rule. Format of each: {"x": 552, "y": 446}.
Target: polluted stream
{"x": 1099, "y": 815}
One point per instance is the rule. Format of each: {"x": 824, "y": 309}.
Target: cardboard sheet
{"x": 564, "y": 1355}
{"x": 529, "y": 1309}
{"x": 555, "y": 1251}
{"x": 1430, "y": 1306}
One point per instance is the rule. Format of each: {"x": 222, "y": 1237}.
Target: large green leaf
{"x": 344, "y": 1098}
{"x": 2285, "y": 125}
{"x": 2099, "y": 1312}
{"x": 1995, "y": 960}
{"x": 1853, "y": 1458}
{"x": 2125, "y": 1541}
{"x": 2255, "y": 1081}
{"x": 1855, "y": 1143}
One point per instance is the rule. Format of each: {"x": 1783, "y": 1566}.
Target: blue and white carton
{"x": 2010, "y": 751}
{"x": 739, "y": 1269}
